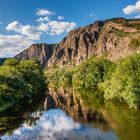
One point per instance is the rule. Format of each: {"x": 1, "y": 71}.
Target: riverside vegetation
{"x": 20, "y": 80}
{"x": 115, "y": 78}
{"x": 24, "y": 79}
{"x": 119, "y": 80}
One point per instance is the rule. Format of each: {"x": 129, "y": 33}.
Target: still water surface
{"x": 62, "y": 116}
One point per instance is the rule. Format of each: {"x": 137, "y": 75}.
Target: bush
{"x": 125, "y": 82}
{"x": 19, "y": 79}
{"x": 58, "y": 77}
{"x": 92, "y": 72}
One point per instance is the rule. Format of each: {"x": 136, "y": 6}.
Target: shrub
{"x": 134, "y": 43}
{"x": 58, "y": 77}
{"x": 125, "y": 82}
{"x": 92, "y": 72}
{"x": 19, "y": 79}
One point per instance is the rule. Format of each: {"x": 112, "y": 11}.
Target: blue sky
{"x": 23, "y": 22}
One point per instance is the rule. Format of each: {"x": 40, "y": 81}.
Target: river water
{"x": 70, "y": 115}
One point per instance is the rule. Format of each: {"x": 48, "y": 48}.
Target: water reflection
{"x": 56, "y": 125}
{"x": 87, "y": 116}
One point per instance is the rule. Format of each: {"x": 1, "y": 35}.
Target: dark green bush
{"x": 58, "y": 77}
{"x": 19, "y": 79}
{"x": 92, "y": 72}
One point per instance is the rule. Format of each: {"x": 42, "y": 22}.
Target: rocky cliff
{"x": 115, "y": 38}
{"x": 42, "y": 52}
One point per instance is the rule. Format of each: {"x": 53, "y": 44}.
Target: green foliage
{"x": 91, "y": 72}
{"x": 133, "y": 24}
{"x": 58, "y": 77}
{"x": 119, "y": 80}
{"x": 11, "y": 62}
{"x": 32, "y": 74}
{"x": 134, "y": 43}
{"x": 121, "y": 33}
{"x": 125, "y": 81}
{"x": 19, "y": 79}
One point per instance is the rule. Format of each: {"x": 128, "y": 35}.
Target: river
{"x": 66, "y": 114}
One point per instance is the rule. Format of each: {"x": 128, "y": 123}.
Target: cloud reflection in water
{"x": 56, "y": 125}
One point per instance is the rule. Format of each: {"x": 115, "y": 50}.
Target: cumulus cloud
{"x": 132, "y": 9}
{"x": 10, "y": 45}
{"x": 43, "y": 27}
{"x": 25, "y": 35}
{"x": 30, "y": 31}
{"x": 44, "y": 12}
{"x": 60, "y": 17}
{"x": 57, "y": 28}
{"x": 44, "y": 19}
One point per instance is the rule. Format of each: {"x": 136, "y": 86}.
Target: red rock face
{"x": 95, "y": 39}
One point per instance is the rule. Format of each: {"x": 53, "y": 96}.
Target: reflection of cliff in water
{"x": 75, "y": 107}
{"x": 90, "y": 108}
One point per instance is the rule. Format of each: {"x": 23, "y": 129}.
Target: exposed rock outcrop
{"x": 110, "y": 37}
{"x": 42, "y": 52}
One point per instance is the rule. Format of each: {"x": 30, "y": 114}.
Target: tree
{"x": 91, "y": 73}
{"x": 125, "y": 81}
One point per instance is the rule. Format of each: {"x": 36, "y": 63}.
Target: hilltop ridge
{"x": 116, "y": 38}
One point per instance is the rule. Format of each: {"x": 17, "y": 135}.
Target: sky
{"x": 24, "y": 22}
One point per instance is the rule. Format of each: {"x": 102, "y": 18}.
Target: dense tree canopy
{"x": 19, "y": 79}
{"x": 120, "y": 80}
{"x": 91, "y": 73}
{"x": 125, "y": 81}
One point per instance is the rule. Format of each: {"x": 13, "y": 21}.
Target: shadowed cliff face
{"x": 42, "y": 52}
{"x": 110, "y": 37}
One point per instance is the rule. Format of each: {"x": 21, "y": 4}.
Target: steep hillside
{"x": 115, "y": 38}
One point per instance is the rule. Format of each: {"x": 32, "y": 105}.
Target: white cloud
{"x": 44, "y": 12}
{"x": 30, "y": 31}
{"x": 13, "y": 26}
{"x": 93, "y": 16}
{"x": 132, "y": 9}
{"x": 0, "y": 22}
{"x": 57, "y": 28}
{"x": 11, "y": 45}
{"x": 137, "y": 17}
{"x": 43, "y": 27}
{"x": 60, "y": 17}
{"x": 45, "y": 19}
{"x": 25, "y": 35}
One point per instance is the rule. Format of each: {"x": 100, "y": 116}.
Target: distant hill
{"x": 116, "y": 38}
{"x": 2, "y": 60}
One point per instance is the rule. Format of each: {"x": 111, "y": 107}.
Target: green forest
{"x": 20, "y": 80}
{"x": 25, "y": 79}
{"x": 117, "y": 81}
